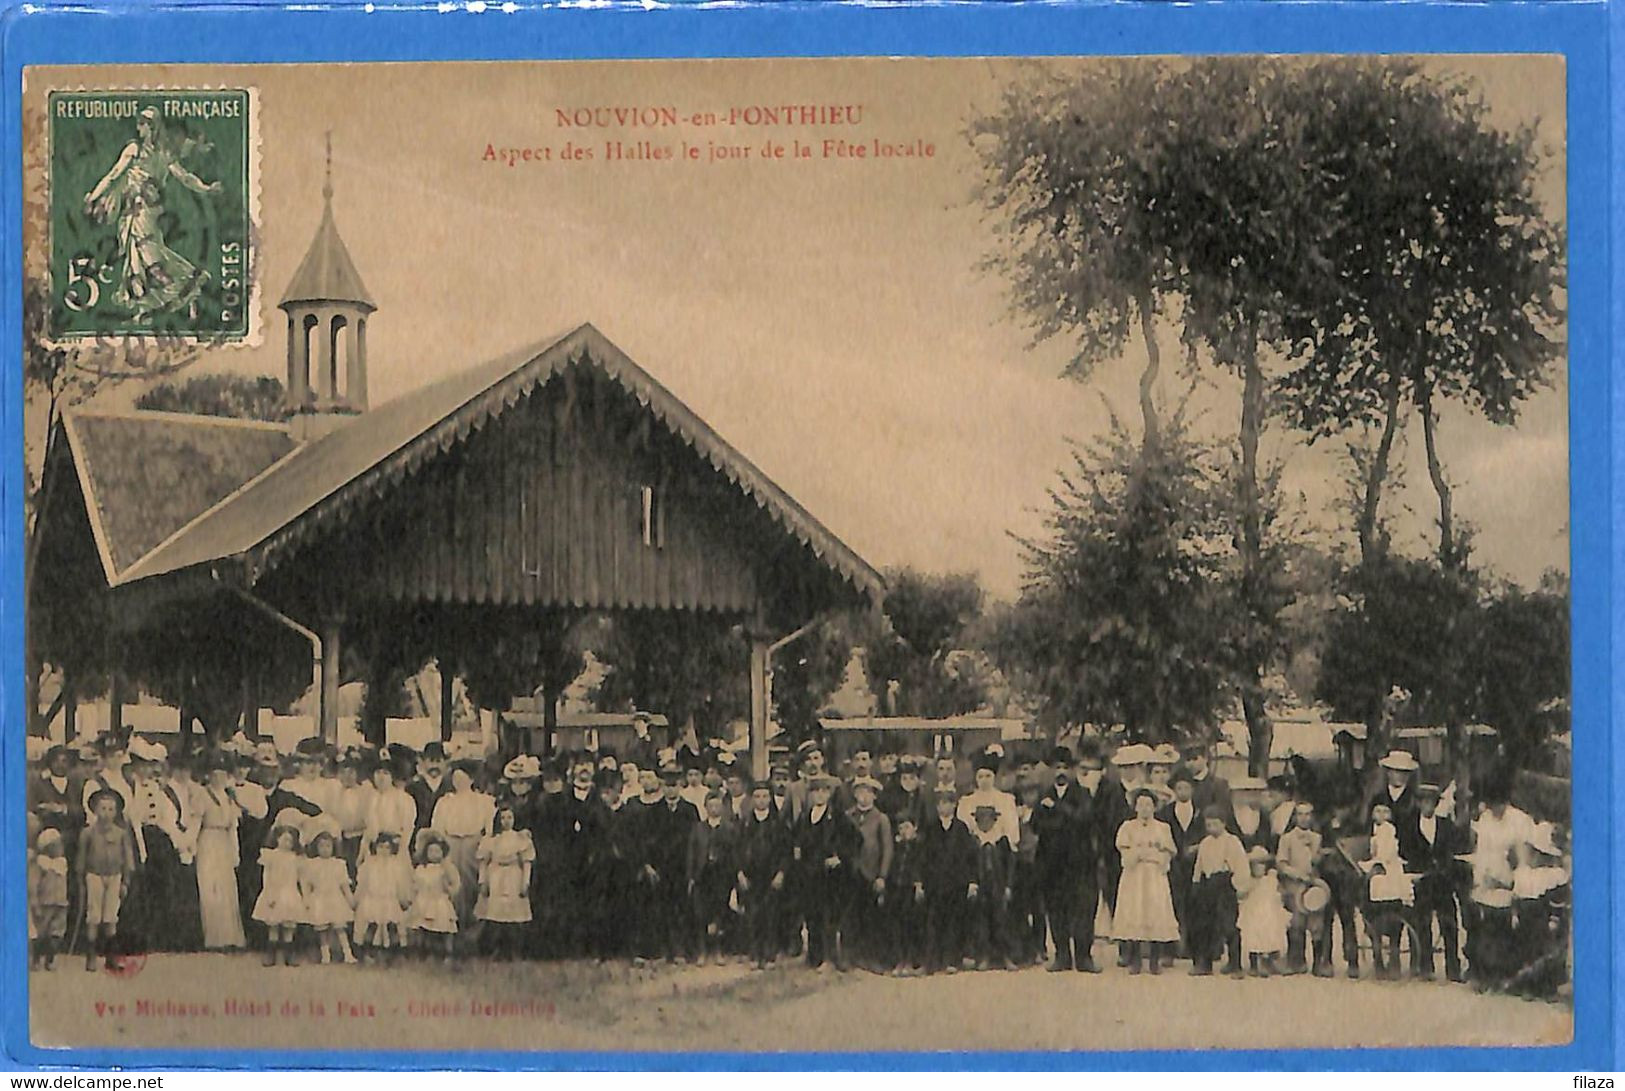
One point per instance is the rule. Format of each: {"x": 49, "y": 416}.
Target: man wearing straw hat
{"x": 1398, "y": 789}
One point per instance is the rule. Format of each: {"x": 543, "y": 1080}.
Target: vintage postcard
{"x": 819, "y": 555}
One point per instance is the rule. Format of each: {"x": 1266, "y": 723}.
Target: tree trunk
{"x": 1447, "y": 535}
{"x": 1371, "y": 543}
{"x": 70, "y": 710}
{"x": 1260, "y": 732}
{"x": 1148, "y": 377}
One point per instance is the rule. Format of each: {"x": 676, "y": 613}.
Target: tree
{"x": 1205, "y": 160}
{"x": 907, "y": 646}
{"x": 806, "y": 672}
{"x": 1450, "y": 274}
{"x": 692, "y": 667}
{"x": 219, "y": 394}
{"x": 1067, "y": 163}
{"x": 521, "y": 654}
{"x": 1520, "y": 665}
{"x": 1125, "y": 609}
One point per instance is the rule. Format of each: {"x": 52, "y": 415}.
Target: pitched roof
{"x": 330, "y": 474}
{"x": 327, "y": 273}
{"x": 145, "y": 475}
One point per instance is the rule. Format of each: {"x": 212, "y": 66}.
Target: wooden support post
{"x": 115, "y": 703}
{"x": 758, "y": 706}
{"x": 251, "y": 705}
{"x": 328, "y": 724}
{"x": 445, "y": 700}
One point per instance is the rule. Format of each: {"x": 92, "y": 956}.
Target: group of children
{"x": 895, "y": 868}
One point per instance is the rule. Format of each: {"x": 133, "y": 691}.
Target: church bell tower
{"x": 328, "y": 308}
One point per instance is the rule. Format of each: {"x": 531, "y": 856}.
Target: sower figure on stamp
{"x": 151, "y": 276}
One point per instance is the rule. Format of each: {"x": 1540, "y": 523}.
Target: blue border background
{"x": 1582, "y": 32}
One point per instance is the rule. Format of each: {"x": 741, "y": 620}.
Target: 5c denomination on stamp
{"x": 152, "y": 214}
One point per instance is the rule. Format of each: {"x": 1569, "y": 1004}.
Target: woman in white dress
{"x": 1144, "y": 919}
{"x": 463, "y": 816}
{"x": 217, "y": 859}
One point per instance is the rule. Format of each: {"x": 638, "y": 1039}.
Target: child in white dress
{"x": 1145, "y": 919}
{"x": 329, "y": 898}
{"x": 435, "y": 887}
{"x": 1263, "y": 917}
{"x": 281, "y": 906}
{"x": 505, "y": 859}
{"x": 381, "y": 895}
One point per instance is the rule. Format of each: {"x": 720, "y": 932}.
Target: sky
{"x": 828, "y": 316}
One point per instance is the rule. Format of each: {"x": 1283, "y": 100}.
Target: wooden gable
{"x": 575, "y": 496}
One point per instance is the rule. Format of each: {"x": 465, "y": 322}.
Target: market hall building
{"x": 557, "y": 481}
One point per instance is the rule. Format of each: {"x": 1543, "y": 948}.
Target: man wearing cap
{"x": 823, "y": 846}
{"x": 809, "y": 764}
{"x": 872, "y": 866}
{"x": 1067, "y": 859}
{"x": 1429, "y": 844}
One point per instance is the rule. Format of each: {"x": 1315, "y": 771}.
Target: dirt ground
{"x": 204, "y": 1000}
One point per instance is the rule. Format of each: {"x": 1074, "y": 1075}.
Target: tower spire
{"x": 327, "y": 180}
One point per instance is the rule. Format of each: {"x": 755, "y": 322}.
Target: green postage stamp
{"x": 152, "y": 204}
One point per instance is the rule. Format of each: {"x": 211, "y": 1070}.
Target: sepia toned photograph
{"x": 1063, "y": 554}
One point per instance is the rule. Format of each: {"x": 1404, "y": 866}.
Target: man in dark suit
{"x": 576, "y": 820}
{"x": 430, "y": 783}
{"x": 947, "y": 868}
{"x": 1184, "y": 818}
{"x": 663, "y": 861}
{"x": 1067, "y": 859}
{"x": 1429, "y": 845}
{"x": 1207, "y": 787}
{"x": 764, "y": 857}
{"x": 824, "y": 846}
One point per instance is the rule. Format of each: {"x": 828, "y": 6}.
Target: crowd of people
{"x": 895, "y": 866}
